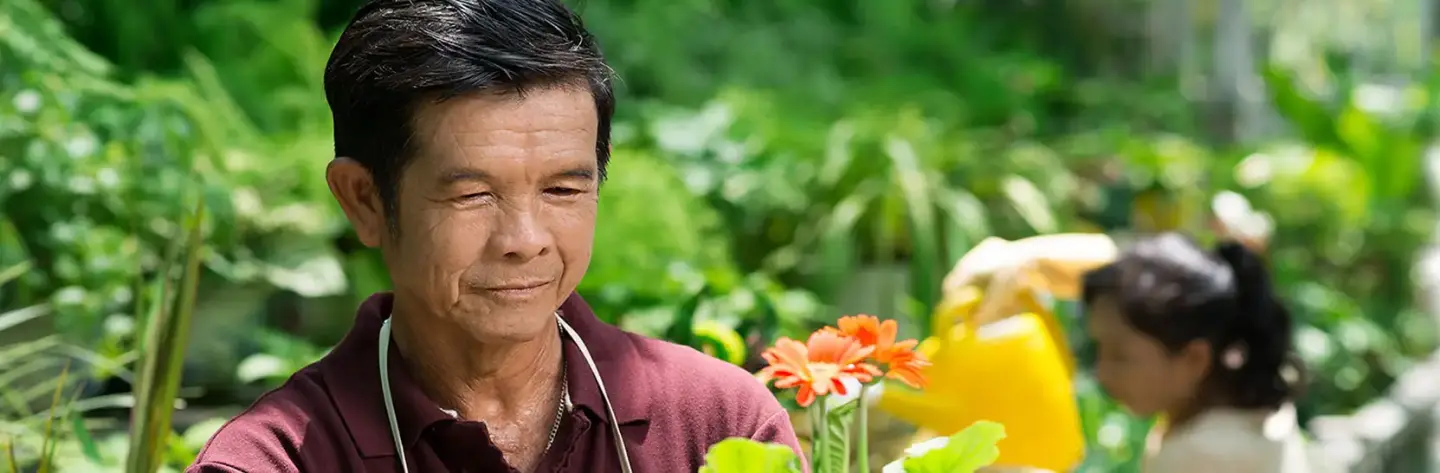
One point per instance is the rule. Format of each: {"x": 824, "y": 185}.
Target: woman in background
{"x": 1199, "y": 338}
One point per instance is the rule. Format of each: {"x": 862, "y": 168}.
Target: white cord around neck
{"x": 620, "y": 450}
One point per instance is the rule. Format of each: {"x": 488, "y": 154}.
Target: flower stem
{"x": 862, "y": 452}
{"x": 817, "y": 435}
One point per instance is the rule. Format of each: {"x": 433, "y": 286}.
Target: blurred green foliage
{"x": 797, "y": 159}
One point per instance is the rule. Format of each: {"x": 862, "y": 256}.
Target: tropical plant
{"x": 167, "y": 317}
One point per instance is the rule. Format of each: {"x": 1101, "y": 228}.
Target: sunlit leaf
{"x": 964, "y": 452}
{"x": 742, "y": 455}
{"x": 720, "y": 341}
{"x": 1031, "y": 204}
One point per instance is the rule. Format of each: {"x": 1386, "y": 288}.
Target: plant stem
{"x": 862, "y": 451}
{"x": 817, "y": 435}
{"x": 10, "y": 455}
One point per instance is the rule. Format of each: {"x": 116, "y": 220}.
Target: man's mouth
{"x": 518, "y": 289}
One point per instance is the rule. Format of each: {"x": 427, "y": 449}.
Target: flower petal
{"x": 804, "y": 396}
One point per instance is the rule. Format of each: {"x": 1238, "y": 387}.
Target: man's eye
{"x": 562, "y": 191}
{"x": 473, "y": 197}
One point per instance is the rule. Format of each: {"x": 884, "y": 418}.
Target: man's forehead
{"x": 461, "y": 139}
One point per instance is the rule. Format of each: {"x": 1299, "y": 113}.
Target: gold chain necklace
{"x": 560, "y": 408}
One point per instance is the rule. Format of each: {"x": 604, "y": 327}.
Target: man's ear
{"x": 354, "y": 188}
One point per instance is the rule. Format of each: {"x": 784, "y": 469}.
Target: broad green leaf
{"x": 964, "y": 452}
{"x": 742, "y": 455}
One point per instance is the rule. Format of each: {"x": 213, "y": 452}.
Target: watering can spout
{"x": 922, "y": 408}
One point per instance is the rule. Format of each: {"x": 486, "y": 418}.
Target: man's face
{"x": 496, "y": 211}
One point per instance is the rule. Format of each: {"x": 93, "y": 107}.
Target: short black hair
{"x": 396, "y": 55}
{"x": 1170, "y": 289}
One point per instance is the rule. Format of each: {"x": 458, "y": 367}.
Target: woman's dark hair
{"x": 1171, "y": 289}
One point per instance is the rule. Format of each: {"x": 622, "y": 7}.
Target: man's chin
{"x": 510, "y": 327}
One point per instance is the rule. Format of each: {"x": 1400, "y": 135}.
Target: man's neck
{"x": 481, "y": 381}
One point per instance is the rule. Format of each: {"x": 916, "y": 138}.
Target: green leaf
{"x": 83, "y": 437}
{"x": 965, "y": 452}
{"x": 10, "y": 457}
{"x": 49, "y": 441}
{"x": 720, "y": 341}
{"x": 924, "y": 234}
{"x": 742, "y": 455}
{"x": 834, "y": 453}
{"x": 1309, "y": 117}
{"x": 158, "y": 382}
{"x": 768, "y": 323}
{"x": 15, "y": 271}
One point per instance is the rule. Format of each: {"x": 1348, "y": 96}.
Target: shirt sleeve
{"x": 212, "y": 467}
{"x": 246, "y": 446}
{"x": 777, "y": 429}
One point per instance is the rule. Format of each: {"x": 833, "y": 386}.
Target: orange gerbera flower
{"x": 818, "y": 366}
{"x": 908, "y": 367}
{"x": 899, "y": 357}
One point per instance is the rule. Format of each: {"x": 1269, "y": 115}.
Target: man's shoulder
{"x": 269, "y": 432}
{"x": 691, "y": 367}
{"x": 685, "y": 375}
{"x": 705, "y": 399}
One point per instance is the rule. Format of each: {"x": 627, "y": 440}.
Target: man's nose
{"x": 520, "y": 236}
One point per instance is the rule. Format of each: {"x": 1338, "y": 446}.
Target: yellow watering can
{"x": 1007, "y": 360}
{"x": 1009, "y": 371}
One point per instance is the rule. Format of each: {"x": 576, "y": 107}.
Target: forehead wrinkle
{"x": 543, "y": 144}
{"x": 481, "y": 125}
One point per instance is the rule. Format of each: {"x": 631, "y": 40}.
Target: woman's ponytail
{"x": 1254, "y": 357}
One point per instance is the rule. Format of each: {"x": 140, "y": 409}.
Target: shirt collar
{"x": 352, "y": 377}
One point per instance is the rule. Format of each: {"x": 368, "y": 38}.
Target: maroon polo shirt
{"x": 671, "y": 401}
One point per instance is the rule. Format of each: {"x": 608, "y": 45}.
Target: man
{"x": 471, "y": 138}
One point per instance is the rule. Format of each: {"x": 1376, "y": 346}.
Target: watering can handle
{"x": 970, "y": 303}
{"x": 958, "y": 306}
